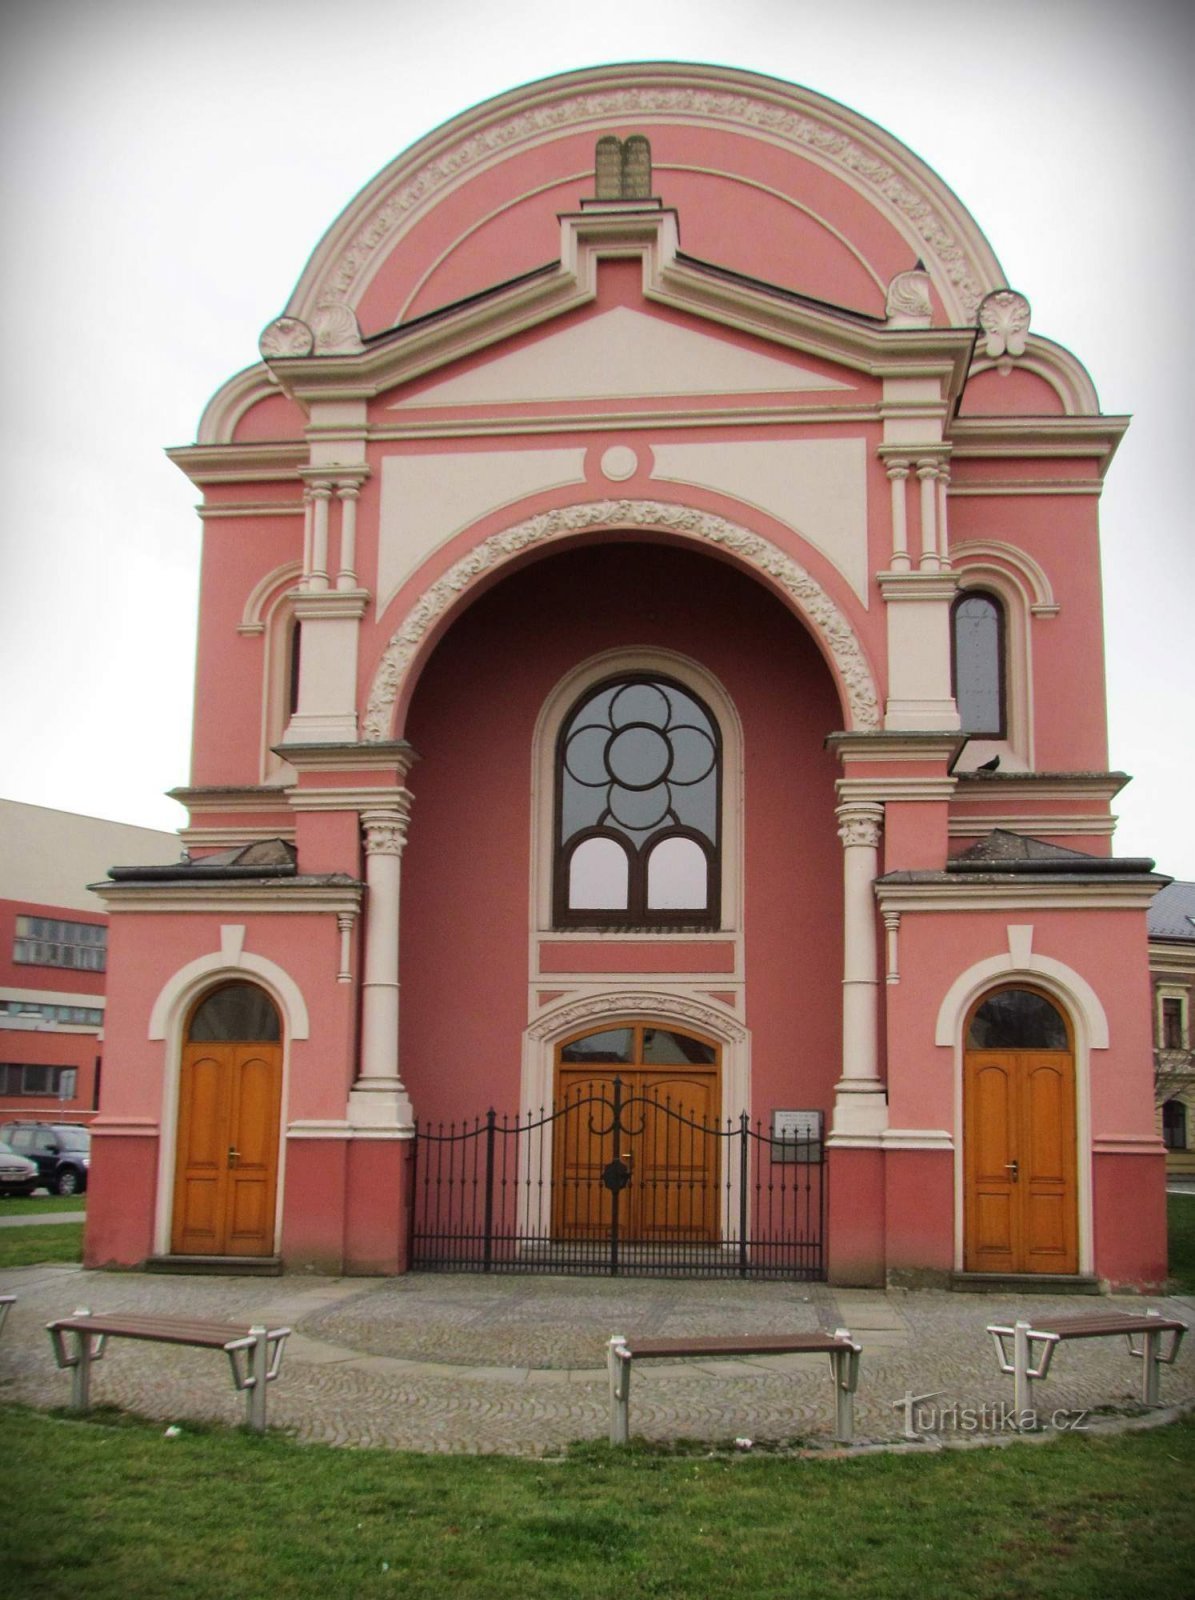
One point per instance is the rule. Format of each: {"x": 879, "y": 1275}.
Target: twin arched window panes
{"x": 638, "y": 808}
{"x": 977, "y": 663}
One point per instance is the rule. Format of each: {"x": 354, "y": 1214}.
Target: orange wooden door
{"x": 1021, "y": 1212}
{"x": 673, "y": 1165}
{"x": 226, "y": 1172}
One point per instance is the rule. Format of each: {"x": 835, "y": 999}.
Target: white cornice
{"x": 881, "y": 789}
{"x": 1037, "y": 826}
{"x": 984, "y": 438}
{"x": 238, "y": 799}
{"x": 983, "y": 789}
{"x": 233, "y": 896}
{"x": 215, "y": 463}
{"x": 1021, "y": 892}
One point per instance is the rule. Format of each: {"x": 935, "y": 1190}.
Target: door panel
{"x": 1020, "y": 1210}
{"x": 227, "y": 1156}
{"x": 673, "y": 1167}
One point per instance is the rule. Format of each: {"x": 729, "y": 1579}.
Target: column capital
{"x": 386, "y": 829}
{"x": 860, "y": 824}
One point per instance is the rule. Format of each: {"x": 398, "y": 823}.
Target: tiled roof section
{"x": 1005, "y": 851}
{"x": 263, "y": 858}
{"x": 1172, "y": 912}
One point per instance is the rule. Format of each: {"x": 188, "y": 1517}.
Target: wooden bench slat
{"x": 1096, "y": 1327}
{"x": 731, "y": 1345}
{"x": 160, "y": 1330}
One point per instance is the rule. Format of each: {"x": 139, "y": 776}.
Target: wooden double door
{"x": 650, "y": 1146}
{"x": 1020, "y": 1205}
{"x": 226, "y": 1166}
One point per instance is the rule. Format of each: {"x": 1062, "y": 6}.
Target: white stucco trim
{"x": 764, "y": 560}
{"x": 1089, "y": 1025}
{"x": 167, "y": 1022}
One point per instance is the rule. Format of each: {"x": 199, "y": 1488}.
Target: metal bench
{"x": 6, "y": 1300}
{"x": 839, "y": 1346}
{"x": 254, "y": 1354}
{"x": 1027, "y": 1349}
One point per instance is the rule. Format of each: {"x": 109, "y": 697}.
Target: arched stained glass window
{"x": 238, "y": 1012}
{"x": 638, "y": 808}
{"x": 977, "y": 663}
{"x": 1017, "y": 1019}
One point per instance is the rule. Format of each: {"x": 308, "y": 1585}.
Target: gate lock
{"x": 616, "y": 1174}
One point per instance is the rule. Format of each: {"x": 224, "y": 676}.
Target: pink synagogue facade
{"x": 650, "y": 631}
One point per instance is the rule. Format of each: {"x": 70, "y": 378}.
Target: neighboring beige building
{"x": 1172, "y": 967}
{"x": 53, "y": 953}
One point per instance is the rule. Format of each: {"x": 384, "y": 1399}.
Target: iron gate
{"x": 614, "y": 1183}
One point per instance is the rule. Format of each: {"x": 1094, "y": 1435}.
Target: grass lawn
{"x": 108, "y": 1507}
{"x": 1180, "y": 1218}
{"x": 29, "y": 1247}
{"x": 34, "y": 1205}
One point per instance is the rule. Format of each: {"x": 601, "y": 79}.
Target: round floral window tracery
{"x": 638, "y": 803}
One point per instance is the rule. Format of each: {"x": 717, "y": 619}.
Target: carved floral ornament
{"x": 768, "y": 560}
{"x": 333, "y": 331}
{"x": 908, "y": 302}
{"x": 637, "y": 1003}
{"x": 346, "y": 274}
{"x": 1004, "y": 318}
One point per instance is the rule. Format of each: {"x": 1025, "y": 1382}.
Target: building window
{"x": 638, "y": 808}
{"x": 977, "y": 663}
{"x": 47, "y": 942}
{"x": 35, "y": 1012}
{"x": 1174, "y": 1125}
{"x": 1172, "y": 1023}
{"x": 35, "y": 1079}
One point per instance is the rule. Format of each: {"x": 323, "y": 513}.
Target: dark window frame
{"x": 995, "y": 600}
{"x": 636, "y": 917}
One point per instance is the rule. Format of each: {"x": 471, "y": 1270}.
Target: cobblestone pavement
{"x": 515, "y": 1365}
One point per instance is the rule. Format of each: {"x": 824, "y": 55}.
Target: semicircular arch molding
{"x": 185, "y": 985}
{"x": 888, "y": 176}
{"x": 766, "y": 561}
{"x": 1058, "y": 980}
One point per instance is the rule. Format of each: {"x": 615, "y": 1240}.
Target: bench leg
{"x": 844, "y": 1396}
{"x": 619, "y": 1367}
{"x": 1151, "y": 1350}
{"x": 259, "y": 1366}
{"x": 81, "y": 1374}
{"x": 1022, "y": 1384}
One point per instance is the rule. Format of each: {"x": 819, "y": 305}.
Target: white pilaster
{"x": 927, "y": 472}
{"x": 348, "y": 491}
{"x": 861, "y": 1107}
{"x": 321, "y": 494}
{"x": 378, "y": 1098}
{"x": 898, "y": 477}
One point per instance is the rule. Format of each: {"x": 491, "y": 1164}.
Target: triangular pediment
{"x": 623, "y": 355}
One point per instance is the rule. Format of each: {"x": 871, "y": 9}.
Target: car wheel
{"x": 68, "y": 1181}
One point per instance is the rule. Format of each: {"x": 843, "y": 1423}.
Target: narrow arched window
{"x": 638, "y": 808}
{"x": 977, "y": 663}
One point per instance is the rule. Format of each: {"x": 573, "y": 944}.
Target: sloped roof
{"x": 1172, "y": 912}
{"x": 1005, "y": 851}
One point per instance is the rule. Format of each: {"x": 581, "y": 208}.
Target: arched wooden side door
{"x": 226, "y": 1168}
{"x": 1020, "y": 1202}
{"x": 672, "y": 1092}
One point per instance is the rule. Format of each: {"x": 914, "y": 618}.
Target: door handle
{"x": 628, "y": 1159}
{"x": 1015, "y": 1168}
{"x": 234, "y": 1156}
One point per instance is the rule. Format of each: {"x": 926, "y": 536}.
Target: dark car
{"x": 18, "y": 1175}
{"x": 60, "y": 1150}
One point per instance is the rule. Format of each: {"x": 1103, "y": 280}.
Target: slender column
{"x": 379, "y": 1097}
{"x": 306, "y": 538}
{"x": 321, "y": 494}
{"x": 346, "y": 578}
{"x": 927, "y": 471}
{"x": 943, "y": 537}
{"x": 898, "y": 476}
{"x": 344, "y": 923}
{"x": 860, "y": 1106}
{"x": 892, "y": 931}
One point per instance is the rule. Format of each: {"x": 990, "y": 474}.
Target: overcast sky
{"x": 168, "y": 167}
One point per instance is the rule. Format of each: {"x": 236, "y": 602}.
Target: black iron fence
{"x": 618, "y": 1182}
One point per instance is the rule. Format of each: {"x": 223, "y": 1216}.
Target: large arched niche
{"x": 424, "y": 621}
{"x": 483, "y": 719}
{"x": 818, "y": 170}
